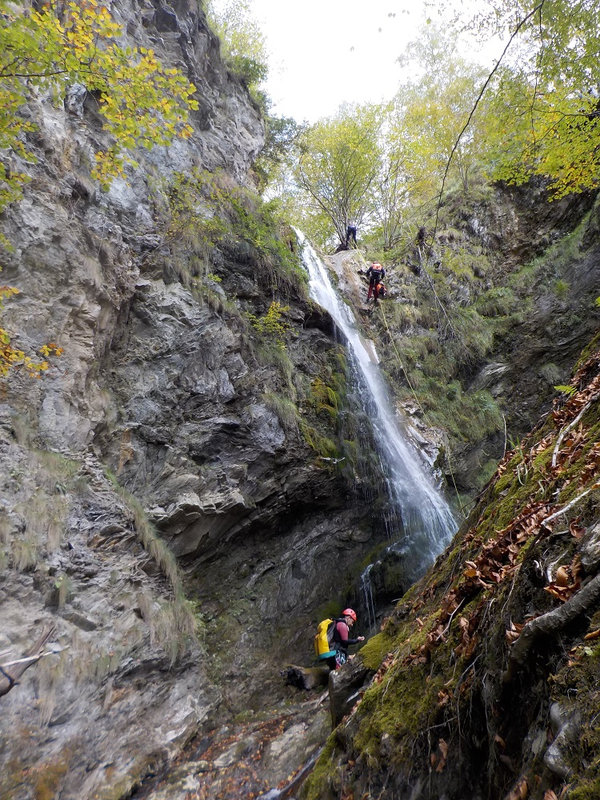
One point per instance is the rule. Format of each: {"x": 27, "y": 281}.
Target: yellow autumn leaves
{"x": 142, "y": 102}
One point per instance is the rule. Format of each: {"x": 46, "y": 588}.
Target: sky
{"x": 327, "y": 52}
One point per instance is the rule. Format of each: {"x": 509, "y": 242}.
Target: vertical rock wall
{"x": 159, "y": 425}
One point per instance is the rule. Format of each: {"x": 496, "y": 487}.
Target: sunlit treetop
{"x": 545, "y": 97}
{"x": 142, "y": 102}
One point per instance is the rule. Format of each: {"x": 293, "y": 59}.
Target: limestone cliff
{"x": 169, "y": 485}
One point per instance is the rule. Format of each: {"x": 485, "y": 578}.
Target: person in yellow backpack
{"x": 332, "y": 639}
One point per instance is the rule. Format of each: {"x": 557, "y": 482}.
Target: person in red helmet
{"x": 341, "y": 638}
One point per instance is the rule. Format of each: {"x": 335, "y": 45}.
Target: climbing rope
{"x": 414, "y": 394}
{"x": 462, "y": 511}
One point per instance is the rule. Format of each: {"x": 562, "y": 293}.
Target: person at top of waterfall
{"x": 375, "y": 274}
{"x": 350, "y": 234}
{"x": 342, "y": 640}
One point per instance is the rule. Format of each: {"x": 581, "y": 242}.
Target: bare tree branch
{"x": 10, "y": 673}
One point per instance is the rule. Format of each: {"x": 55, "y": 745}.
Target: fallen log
{"x": 306, "y": 677}
{"x": 551, "y": 623}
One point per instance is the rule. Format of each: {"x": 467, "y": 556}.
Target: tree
{"x": 242, "y": 42}
{"x": 430, "y": 112}
{"x": 281, "y": 135}
{"x": 546, "y": 104}
{"x": 42, "y": 51}
{"x": 45, "y": 50}
{"x": 338, "y": 161}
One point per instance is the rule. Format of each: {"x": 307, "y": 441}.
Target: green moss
{"x": 48, "y": 778}
{"x": 375, "y": 650}
{"x": 402, "y": 705}
{"x": 322, "y": 445}
{"x": 315, "y": 787}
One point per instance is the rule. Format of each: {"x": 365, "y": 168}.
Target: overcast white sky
{"x": 326, "y": 52}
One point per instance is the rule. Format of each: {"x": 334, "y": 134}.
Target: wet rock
{"x": 306, "y": 677}
{"x": 565, "y": 725}
{"x": 345, "y": 686}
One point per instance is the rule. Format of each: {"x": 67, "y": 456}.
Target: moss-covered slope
{"x": 487, "y": 671}
{"x": 488, "y": 309}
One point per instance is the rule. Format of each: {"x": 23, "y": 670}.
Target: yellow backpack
{"x": 324, "y": 638}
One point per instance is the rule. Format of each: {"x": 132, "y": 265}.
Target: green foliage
{"x": 566, "y": 390}
{"x": 322, "y": 445}
{"x": 496, "y": 302}
{"x": 337, "y": 163}
{"x": 260, "y": 224}
{"x": 545, "y": 106}
{"x": 192, "y": 202}
{"x": 429, "y": 113}
{"x": 205, "y": 210}
{"x": 64, "y": 587}
{"x": 242, "y": 42}
{"x": 285, "y": 409}
{"x": 271, "y": 326}
{"x": 142, "y": 102}
{"x": 281, "y": 134}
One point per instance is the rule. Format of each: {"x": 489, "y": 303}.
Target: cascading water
{"x": 427, "y": 521}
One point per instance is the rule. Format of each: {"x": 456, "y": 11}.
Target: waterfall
{"x": 427, "y": 521}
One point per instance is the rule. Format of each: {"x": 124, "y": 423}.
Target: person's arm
{"x": 355, "y": 641}
{"x": 342, "y": 631}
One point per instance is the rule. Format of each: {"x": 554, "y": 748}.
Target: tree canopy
{"x": 544, "y": 106}
{"x": 337, "y": 163}
{"x": 533, "y": 111}
{"x": 46, "y": 48}
{"x": 142, "y": 102}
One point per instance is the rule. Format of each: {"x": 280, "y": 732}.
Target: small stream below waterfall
{"x": 426, "y": 520}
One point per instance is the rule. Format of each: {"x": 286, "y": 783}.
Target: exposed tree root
{"x": 550, "y": 624}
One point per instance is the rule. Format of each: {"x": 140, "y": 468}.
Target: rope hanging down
{"x": 414, "y": 394}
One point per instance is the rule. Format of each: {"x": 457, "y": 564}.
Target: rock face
{"x": 485, "y": 320}
{"x": 168, "y": 495}
{"x": 492, "y": 659}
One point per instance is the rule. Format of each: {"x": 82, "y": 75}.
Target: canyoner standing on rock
{"x": 332, "y": 639}
{"x": 350, "y": 235}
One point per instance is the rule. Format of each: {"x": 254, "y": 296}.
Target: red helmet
{"x": 348, "y": 612}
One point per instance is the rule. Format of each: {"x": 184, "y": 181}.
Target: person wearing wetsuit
{"x": 342, "y": 640}
{"x": 375, "y": 274}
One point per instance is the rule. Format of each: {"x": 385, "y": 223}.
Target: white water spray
{"x": 426, "y": 517}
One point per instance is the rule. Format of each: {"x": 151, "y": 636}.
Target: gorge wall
{"x": 169, "y": 485}
{"x": 192, "y": 484}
